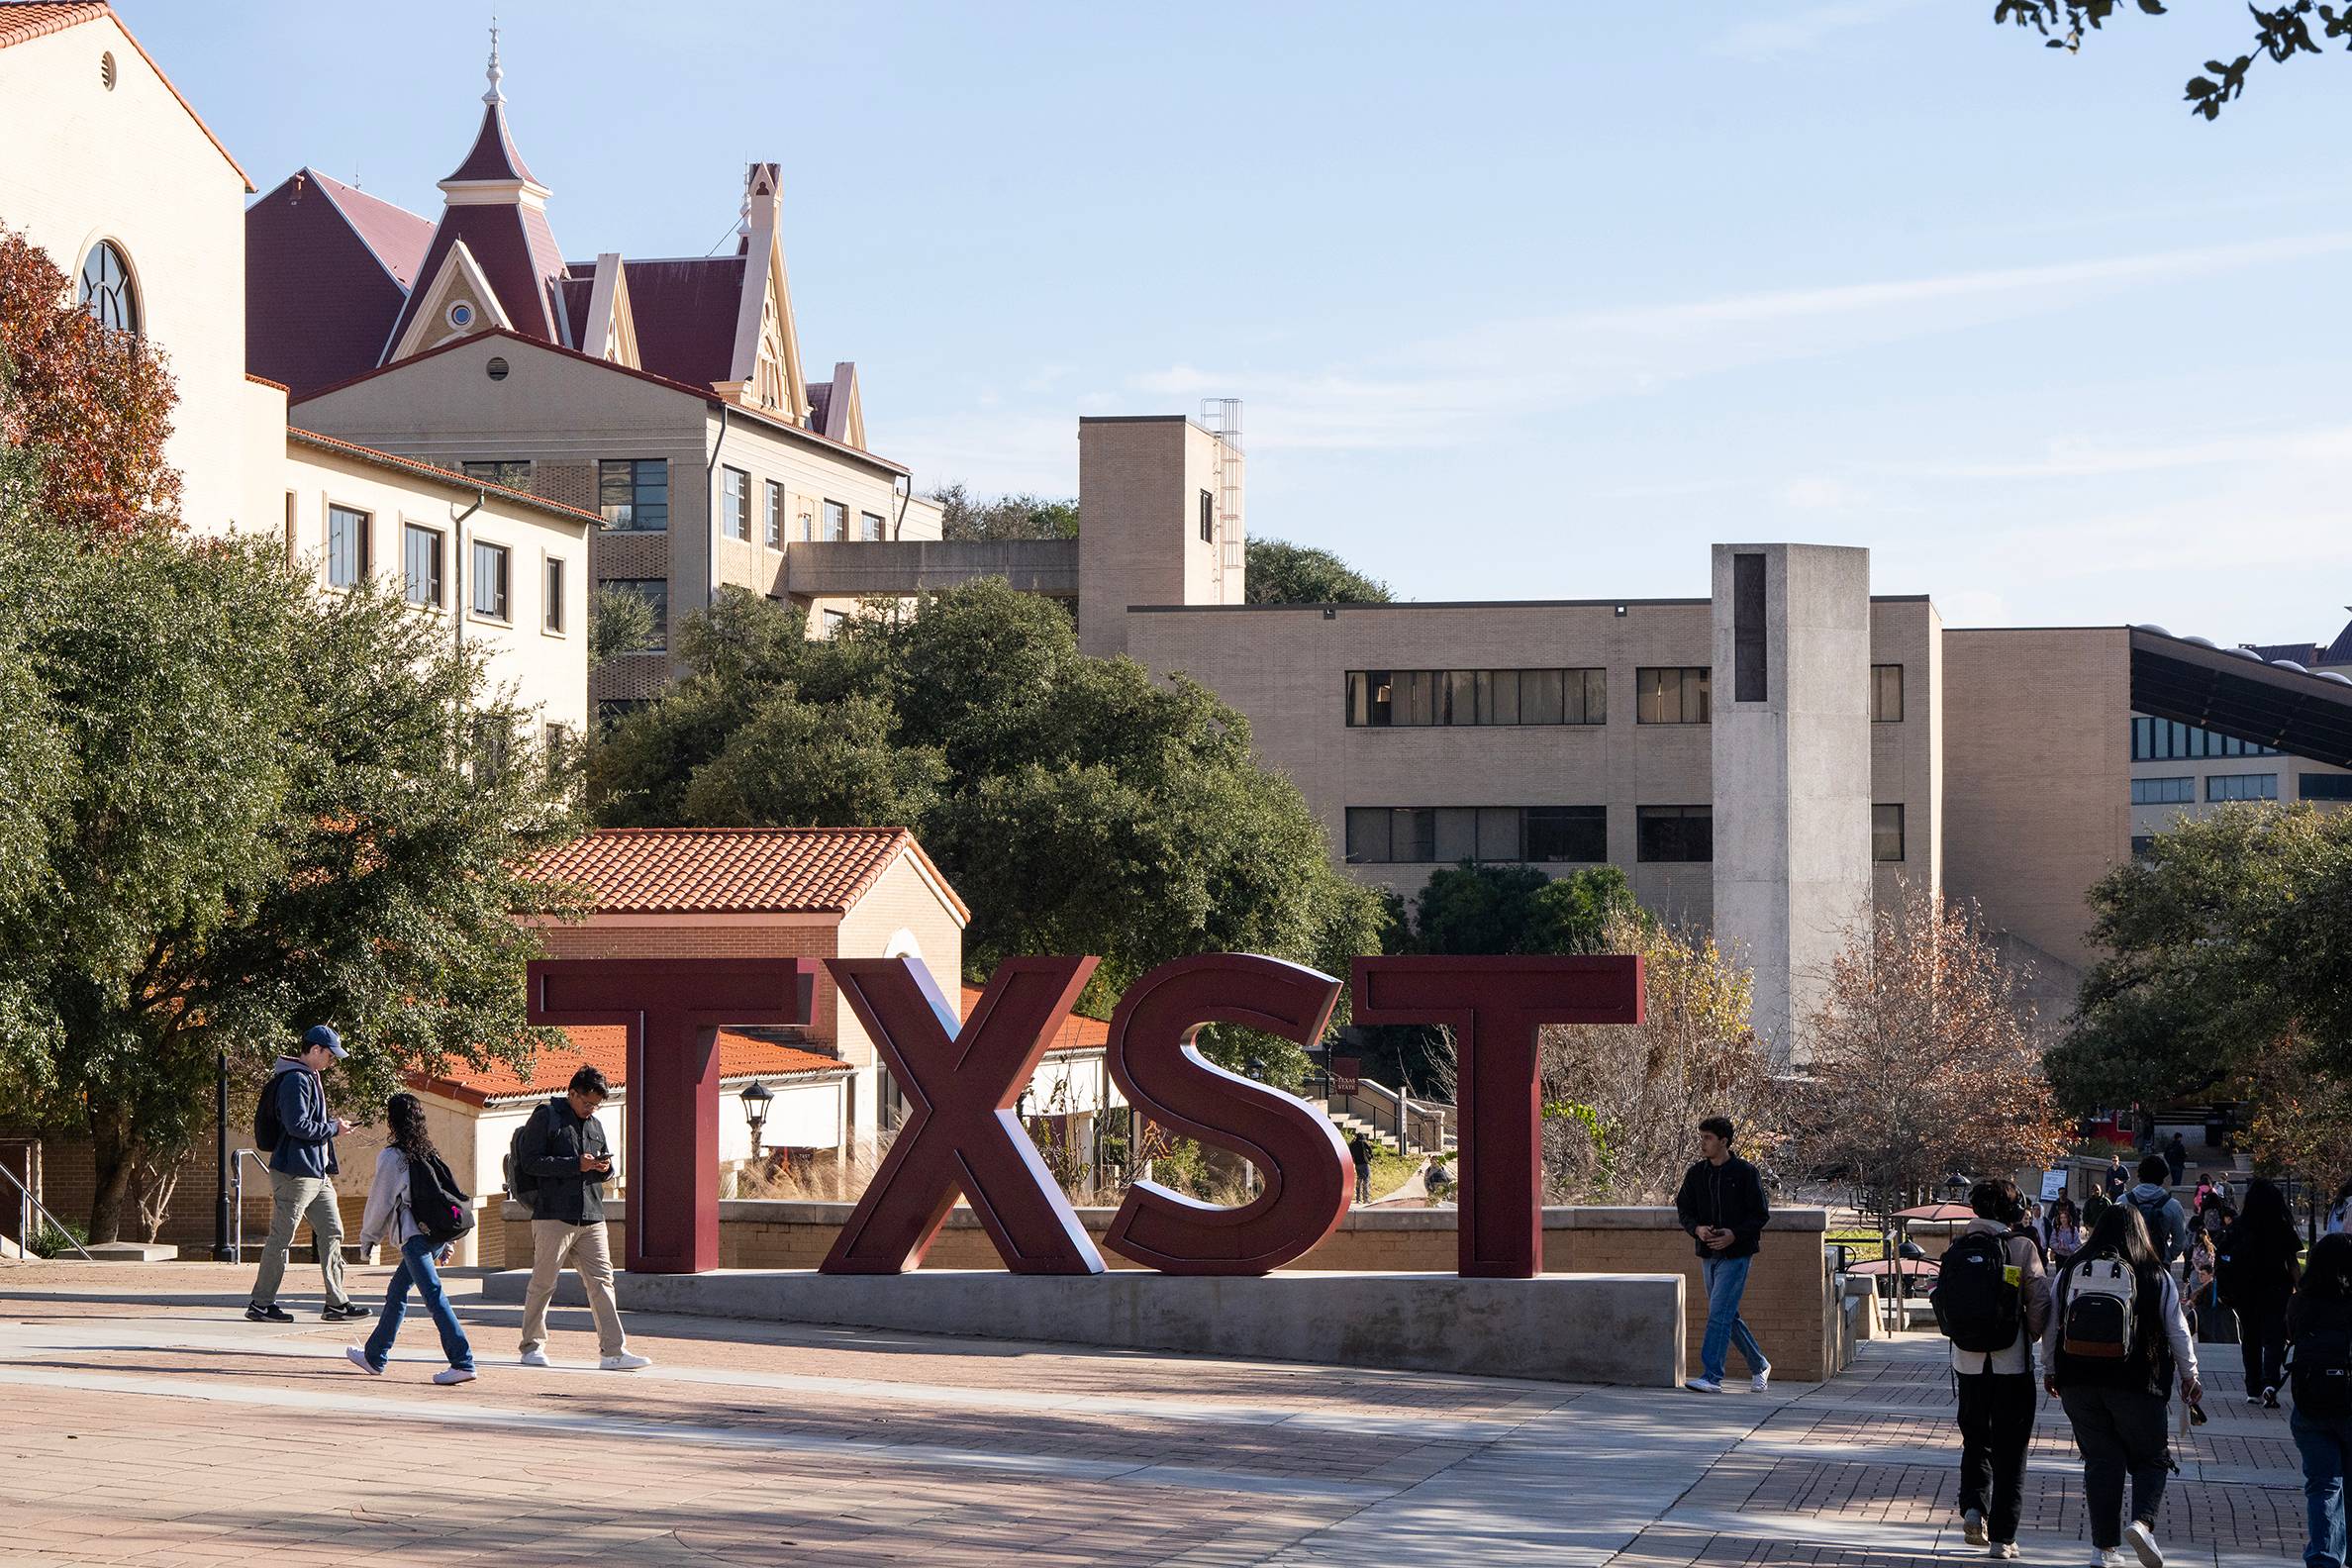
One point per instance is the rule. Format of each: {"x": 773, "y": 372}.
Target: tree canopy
{"x": 964, "y": 516}
{"x": 90, "y": 409}
{"x": 2281, "y": 33}
{"x": 2228, "y": 943}
{"x": 236, "y": 808}
{"x": 1278, "y": 572}
{"x": 1517, "y": 908}
{"x": 1078, "y": 804}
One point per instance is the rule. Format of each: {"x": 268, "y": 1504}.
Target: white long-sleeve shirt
{"x": 2168, "y": 1310}
{"x": 388, "y": 1202}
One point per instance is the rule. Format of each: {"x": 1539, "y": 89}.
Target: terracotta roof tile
{"x": 734, "y": 870}
{"x": 606, "y": 1047}
{"x": 24, "y": 20}
{"x": 1076, "y": 1034}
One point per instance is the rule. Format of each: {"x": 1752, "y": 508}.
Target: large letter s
{"x": 1307, "y": 1179}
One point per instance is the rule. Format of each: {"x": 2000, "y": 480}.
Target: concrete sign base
{"x": 1624, "y": 1328}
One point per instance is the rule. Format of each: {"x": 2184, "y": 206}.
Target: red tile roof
{"x": 685, "y": 316}
{"x": 455, "y": 482}
{"x": 24, "y": 20}
{"x": 1076, "y": 1034}
{"x": 736, "y": 871}
{"x": 396, "y": 237}
{"x": 709, "y": 398}
{"x": 605, "y": 1049}
{"x": 493, "y": 157}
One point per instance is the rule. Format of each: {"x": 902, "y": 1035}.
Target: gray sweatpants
{"x": 292, "y": 1199}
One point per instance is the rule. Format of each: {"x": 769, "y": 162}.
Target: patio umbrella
{"x": 1937, "y": 1210}
{"x": 1900, "y": 1265}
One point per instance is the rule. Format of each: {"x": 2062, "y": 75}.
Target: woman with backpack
{"x": 2319, "y": 1362}
{"x": 2062, "y": 1232}
{"x": 2117, "y": 1339}
{"x": 2255, "y": 1270}
{"x": 411, "y": 1183}
{"x": 1991, "y": 1299}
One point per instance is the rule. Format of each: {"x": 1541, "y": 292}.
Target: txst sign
{"x": 962, "y": 1079}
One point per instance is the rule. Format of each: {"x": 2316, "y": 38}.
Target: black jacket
{"x": 553, "y": 1139}
{"x": 1730, "y": 1196}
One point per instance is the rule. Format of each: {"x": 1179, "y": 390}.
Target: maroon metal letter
{"x": 1307, "y": 1179}
{"x": 1495, "y": 1006}
{"x": 673, "y": 1008}
{"x": 960, "y": 1134}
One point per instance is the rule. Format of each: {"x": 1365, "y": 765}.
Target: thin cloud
{"x": 1768, "y": 37}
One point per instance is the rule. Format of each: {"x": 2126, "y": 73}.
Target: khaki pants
{"x": 590, "y": 1249}
{"x": 292, "y": 1199}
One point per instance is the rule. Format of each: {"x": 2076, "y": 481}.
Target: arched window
{"x": 107, "y": 291}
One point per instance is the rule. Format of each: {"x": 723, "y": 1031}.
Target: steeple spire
{"x": 497, "y": 73}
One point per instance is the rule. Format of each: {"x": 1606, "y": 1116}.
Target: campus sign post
{"x": 962, "y": 1080}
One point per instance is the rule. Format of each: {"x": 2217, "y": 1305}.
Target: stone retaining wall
{"x": 1791, "y": 1302}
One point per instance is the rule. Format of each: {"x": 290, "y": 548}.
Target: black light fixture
{"x": 1957, "y": 1186}
{"x": 1255, "y": 1067}
{"x": 756, "y": 1098}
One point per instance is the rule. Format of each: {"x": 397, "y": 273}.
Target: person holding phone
{"x": 562, "y": 1149}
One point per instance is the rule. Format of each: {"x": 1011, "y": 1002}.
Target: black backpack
{"x": 2153, "y": 1214}
{"x": 1977, "y": 1301}
{"x": 435, "y": 1202}
{"x": 2319, "y": 1371}
{"x": 522, "y": 1186}
{"x": 267, "y": 1128}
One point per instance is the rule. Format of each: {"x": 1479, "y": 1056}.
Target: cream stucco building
{"x": 114, "y": 174}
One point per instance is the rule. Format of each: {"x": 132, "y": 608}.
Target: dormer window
{"x": 107, "y": 291}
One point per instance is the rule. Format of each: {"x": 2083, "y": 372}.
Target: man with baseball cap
{"x": 292, "y": 1124}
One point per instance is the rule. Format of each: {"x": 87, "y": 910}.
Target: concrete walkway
{"x": 147, "y": 1422}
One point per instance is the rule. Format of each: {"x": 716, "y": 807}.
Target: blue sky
{"x": 1524, "y": 300}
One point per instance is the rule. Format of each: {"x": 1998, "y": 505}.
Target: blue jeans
{"x": 416, "y": 1268}
{"x": 1726, "y": 1281}
{"x": 2326, "y": 1444}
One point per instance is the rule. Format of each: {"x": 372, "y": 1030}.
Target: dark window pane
{"x": 1748, "y": 640}
{"x": 1695, "y": 696}
{"x": 1367, "y": 836}
{"x": 553, "y": 597}
{"x": 1540, "y": 696}
{"x": 1383, "y": 684}
{"x": 1498, "y": 697}
{"x": 1886, "y": 693}
{"x": 1417, "y": 697}
{"x": 1457, "y": 834}
{"x": 1357, "y": 694}
{"x": 2326, "y": 786}
{"x": 1461, "y": 697}
{"x": 1568, "y": 833}
{"x": 1499, "y": 834}
{"x": 1886, "y": 833}
{"x": 1588, "y": 696}
{"x": 1674, "y": 833}
{"x": 1413, "y": 835}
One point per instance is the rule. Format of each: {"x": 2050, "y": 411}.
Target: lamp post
{"x": 756, "y": 1098}
{"x": 221, "y": 1166}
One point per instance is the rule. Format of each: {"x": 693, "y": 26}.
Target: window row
{"x": 2163, "y": 791}
{"x": 1386, "y": 699}
{"x": 2163, "y": 740}
{"x": 1553, "y": 834}
{"x": 1380, "y": 699}
{"x": 423, "y": 552}
{"x": 734, "y": 515}
{"x": 2242, "y": 787}
{"x": 2238, "y": 786}
{"x": 2325, "y": 786}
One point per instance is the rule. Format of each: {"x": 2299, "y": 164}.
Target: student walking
{"x": 2062, "y": 1232}
{"x": 1992, "y": 1300}
{"x": 1360, "y": 1151}
{"x": 562, "y": 1162}
{"x": 291, "y": 1124}
{"x": 2118, "y": 1178}
{"x": 2339, "y": 1217}
{"x": 2168, "y": 1223}
{"x": 2255, "y": 1267}
{"x": 2176, "y": 1158}
{"x": 1722, "y": 1205}
{"x": 411, "y": 1179}
{"x": 2319, "y": 1364}
{"x": 2115, "y": 1342}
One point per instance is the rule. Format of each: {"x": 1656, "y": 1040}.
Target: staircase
{"x": 1375, "y": 1109}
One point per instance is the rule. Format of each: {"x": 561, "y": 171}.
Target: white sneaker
{"x": 358, "y": 1358}
{"x": 534, "y": 1358}
{"x": 2007, "y": 1551}
{"x": 1758, "y": 1380}
{"x": 2142, "y": 1542}
{"x": 449, "y": 1375}
{"x": 625, "y": 1362}
{"x": 1705, "y": 1385}
{"x": 2107, "y": 1557}
{"x": 1971, "y": 1527}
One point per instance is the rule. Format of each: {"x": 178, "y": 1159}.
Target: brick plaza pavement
{"x": 145, "y": 1422}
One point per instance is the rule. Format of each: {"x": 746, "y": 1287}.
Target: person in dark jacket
{"x": 564, "y": 1153}
{"x": 2256, "y": 1263}
{"x": 302, "y": 1171}
{"x": 2117, "y": 1404}
{"x": 1722, "y": 1205}
{"x": 2176, "y": 1158}
{"x": 1361, "y": 1152}
{"x": 2317, "y": 1327}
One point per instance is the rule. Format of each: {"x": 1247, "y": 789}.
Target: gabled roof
{"x": 1076, "y": 1034}
{"x": 736, "y": 871}
{"x": 396, "y": 237}
{"x": 605, "y": 1048}
{"x": 516, "y": 251}
{"x": 704, "y": 394}
{"x": 327, "y": 273}
{"x": 2341, "y": 651}
{"x": 685, "y": 313}
{"x": 24, "y": 20}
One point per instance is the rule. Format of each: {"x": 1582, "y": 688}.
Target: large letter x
{"x": 960, "y": 1134}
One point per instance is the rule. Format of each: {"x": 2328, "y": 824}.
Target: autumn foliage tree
{"x": 1926, "y": 1060}
{"x": 91, "y": 407}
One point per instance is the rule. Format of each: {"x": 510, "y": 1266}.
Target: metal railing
{"x": 27, "y": 1207}
{"x": 236, "y": 1198}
